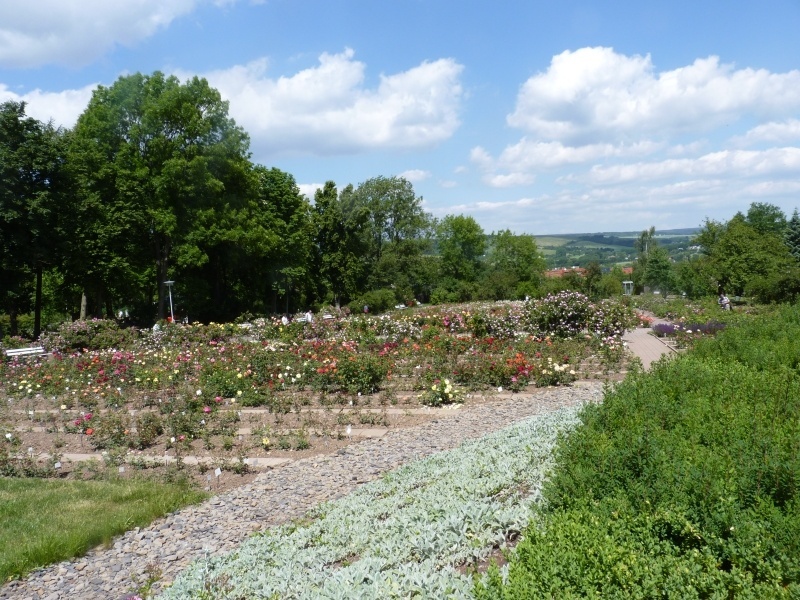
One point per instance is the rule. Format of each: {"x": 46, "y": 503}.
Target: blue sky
{"x": 538, "y": 117}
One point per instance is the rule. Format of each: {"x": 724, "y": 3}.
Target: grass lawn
{"x": 46, "y": 521}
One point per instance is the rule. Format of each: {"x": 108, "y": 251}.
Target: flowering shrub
{"x": 441, "y": 392}
{"x": 93, "y": 334}
{"x": 561, "y": 315}
{"x": 610, "y": 318}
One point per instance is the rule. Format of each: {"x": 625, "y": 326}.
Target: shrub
{"x": 610, "y": 318}
{"x": 361, "y": 373}
{"x": 441, "y": 392}
{"x": 684, "y": 481}
{"x": 561, "y": 315}
{"x": 93, "y": 334}
{"x": 378, "y": 301}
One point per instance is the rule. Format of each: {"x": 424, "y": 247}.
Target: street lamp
{"x": 169, "y": 285}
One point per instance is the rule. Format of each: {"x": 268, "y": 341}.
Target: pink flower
{"x": 87, "y": 416}
{"x": 218, "y": 399}
{"x": 206, "y": 409}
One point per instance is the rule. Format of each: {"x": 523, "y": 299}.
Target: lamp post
{"x": 169, "y": 285}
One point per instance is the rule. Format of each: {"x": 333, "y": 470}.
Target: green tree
{"x": 766, "y": 218}
{"x": 658, "y": 273}
{"x": 395, "y": 231}
{"x": 792, "y": 235}
{"x": 338, "y": 244}
{"x": 461, "y": 243}
{"x": 740, "y": 254}
{"x": 644, "y": 245}
{"x": 286, "y": 222}
{"x": 159, "y": 163}
{"x": 516, "y": 254}
{"x": 33, "y": 198}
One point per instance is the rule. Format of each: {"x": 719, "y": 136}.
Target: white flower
{"x": 500, "y": 389}
{"x": 63, "y": 407}
{"x": 8, "y": 436}
{"x": 172, "y": 440}
{"x": 199, "y": 392}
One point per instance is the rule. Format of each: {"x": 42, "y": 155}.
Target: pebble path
{"x": 222, "y": 522}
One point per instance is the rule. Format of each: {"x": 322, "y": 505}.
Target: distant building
{"x": 556, "y": 273}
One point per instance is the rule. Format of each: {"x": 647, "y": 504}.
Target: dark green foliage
{"x": 792, "y": 235}
{"x": 378, "y": 301}
{"x": 684, "y": 483}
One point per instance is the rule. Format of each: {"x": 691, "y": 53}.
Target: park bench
{"x": 25, "y": 352}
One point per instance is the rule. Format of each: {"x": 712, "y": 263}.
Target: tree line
{"x": 756, "y": 254}
{"x": 155, "y": 183}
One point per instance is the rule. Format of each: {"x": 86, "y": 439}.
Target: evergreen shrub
{"x": 684, "y": 482}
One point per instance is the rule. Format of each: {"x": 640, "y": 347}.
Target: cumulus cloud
{"x": 725, "y": 163}
{"x": 518, "y": 162}
{"x": 327, "y": 109}
{"x": 415, "y": 175}
{"x": 63, "y": 108}
{"x": 76, "y": 33}
{"x": 594, "y": 94}
{"x": 774, "y": 132}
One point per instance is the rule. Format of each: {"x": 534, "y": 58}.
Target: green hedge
{"x": 682, "y": 484}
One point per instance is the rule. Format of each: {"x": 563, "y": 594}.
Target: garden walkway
{"x": 647, "y": 347}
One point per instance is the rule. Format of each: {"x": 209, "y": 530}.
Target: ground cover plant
{"x": 48, "y": 521}
{"x": 413, "y": 533}
{"x": 684, "y": 482}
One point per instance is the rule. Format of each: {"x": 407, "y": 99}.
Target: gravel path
{"x": 219, "y": 524}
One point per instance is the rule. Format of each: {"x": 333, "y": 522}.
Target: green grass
{"x": 44, "y": 521}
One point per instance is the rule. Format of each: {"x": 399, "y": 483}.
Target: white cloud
{"x": 774, "y": 132}
{"x": 509, "y": 179}
{"x": 73, "y": 33}
{"x": 327, "y": 109}
{"x": 594, "y": 94}
{"x": 309, "y": 189}
{"x": 415, "y": 175}
{"x": 521, "y": 160}
{"x": 735, "y": 164}
{"x": 63, "y": 107}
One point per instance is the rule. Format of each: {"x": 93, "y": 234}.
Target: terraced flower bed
{"x": 233, "y": 398}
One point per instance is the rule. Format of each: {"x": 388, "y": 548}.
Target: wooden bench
{"x": 25, "y": 352}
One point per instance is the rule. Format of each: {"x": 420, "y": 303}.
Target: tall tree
{"x": 33, "y": 187}
{"x": 287, "y": 217}
{"x": 461, "y": 242}
{"x": 740, "y": 254}
{"x": 514, "y": 266}
{"x": 659, "y": 273}
{"x": 156, "y": 159}
{"x": 340, "y": 247}
{"x": 792, "y": 235}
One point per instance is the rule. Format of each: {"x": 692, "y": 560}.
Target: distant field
{"x": 550, "y": 241}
